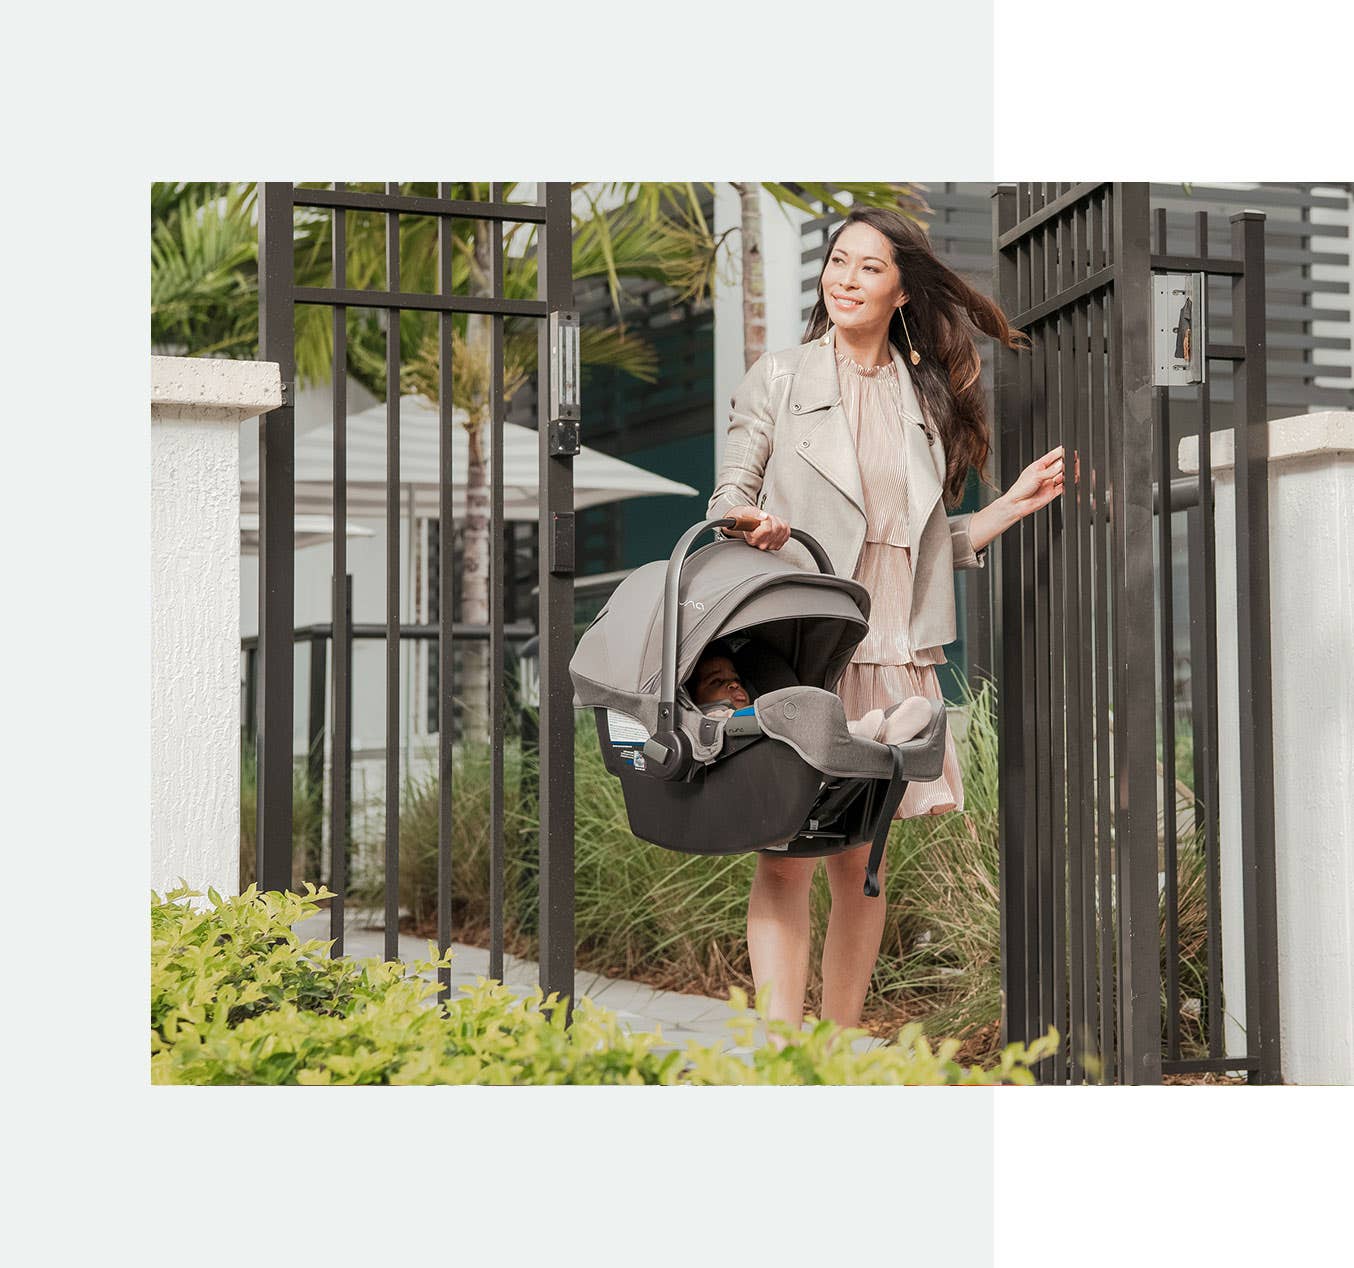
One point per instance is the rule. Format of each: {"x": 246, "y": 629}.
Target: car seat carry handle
{"x": 892, "y": 796}
{"x": 667, "y": 683}
{"x": 747, "y": 522}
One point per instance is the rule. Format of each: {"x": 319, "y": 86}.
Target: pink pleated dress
{"x": 885, "y": 667}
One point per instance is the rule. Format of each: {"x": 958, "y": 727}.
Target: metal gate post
{"x": 1254, "y": 700}
{"x": 556, "y": 619}
{"x": 1134, "y": 641}
{"x": 277, "y": 467}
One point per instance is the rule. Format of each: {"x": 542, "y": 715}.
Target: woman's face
{"x": 861, "y": 284}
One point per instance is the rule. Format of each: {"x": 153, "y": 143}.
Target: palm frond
{"x": 203, "y": 264}
{"x": 906, "y": 198}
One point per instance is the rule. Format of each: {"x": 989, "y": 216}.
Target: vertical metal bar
{"x": 1047, "y": 720}
{"x": 1074, "y": 658}
{"x": 1086, "y": 646}
{"x": 1204, "y": 683}
{"x": 1030, "y": 275}
{"x": 315, "y": 756}
{"x": 340, "y": 744}
{"x": 1006, "y": 565}
{"x": 1036, "y": 596}
{"x": 392, "y": 781}
{"x": 341, "y": 749}
{"x": 1057, "y": 387}
{"x": 1102, "y": 633}
{"x": 497, "y": 704}
{"x": 555, "y": 286}
{"x": 277, "y": 508}
{"x": 1131, "y": 507}
{"x": 1166, "y": 672}
{"x": 251, "y": 676}
{"x": 446, "y": 599}
{"x": 1253, "y": 651}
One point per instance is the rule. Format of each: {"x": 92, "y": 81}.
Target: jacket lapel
{"x": 827, "y": 446}
{"x": 925, "y": 459}
{"x": 826, "y": 443}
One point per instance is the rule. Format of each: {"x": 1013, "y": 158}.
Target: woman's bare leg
{"x": 778, "y": 933}
{"x": 854, "y": 931}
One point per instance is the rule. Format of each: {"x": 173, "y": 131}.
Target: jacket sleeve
{"x": 962, "y": 544}
{"x": 747, "y": 444}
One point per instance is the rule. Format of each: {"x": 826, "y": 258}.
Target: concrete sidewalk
{"x": 639, "y": 1008}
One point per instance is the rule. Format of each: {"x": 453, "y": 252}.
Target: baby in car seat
{"x": 715, "y": 685}
{"x": 717, "y": 689}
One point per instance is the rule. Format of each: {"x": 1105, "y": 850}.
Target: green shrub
{"x": 237, "y": 998}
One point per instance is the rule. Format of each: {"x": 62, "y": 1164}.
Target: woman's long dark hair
{"x": 942, "y": 311}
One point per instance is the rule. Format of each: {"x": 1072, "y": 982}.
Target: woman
{"x": 842, "y": 438}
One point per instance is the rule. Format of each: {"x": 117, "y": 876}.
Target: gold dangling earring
{"x": 914, "y": 355}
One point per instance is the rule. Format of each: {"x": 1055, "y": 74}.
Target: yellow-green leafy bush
{"x": 237, "y": 997}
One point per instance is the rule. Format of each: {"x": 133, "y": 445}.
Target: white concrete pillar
{"x": 1311, "y": 551}
{"x": 197, "y": 406}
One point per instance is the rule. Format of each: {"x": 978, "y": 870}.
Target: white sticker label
{"x": 623, "y": 729}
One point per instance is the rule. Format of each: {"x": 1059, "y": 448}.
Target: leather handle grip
{"x": 745, "y": 522}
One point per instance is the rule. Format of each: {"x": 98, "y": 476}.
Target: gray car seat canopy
{"x": 814, "y": 622}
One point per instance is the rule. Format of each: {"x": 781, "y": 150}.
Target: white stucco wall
{"x": 1311, "y": 528}
{"x": 196, "y": 408}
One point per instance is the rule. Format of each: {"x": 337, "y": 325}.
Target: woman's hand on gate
{"x": 1038, "y": 484}
{"x": 771, "y": 534}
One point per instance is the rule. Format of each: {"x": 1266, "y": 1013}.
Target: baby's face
{"x": 717, "y": 679}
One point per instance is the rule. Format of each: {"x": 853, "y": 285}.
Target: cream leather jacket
{"x": 789, "y": 451}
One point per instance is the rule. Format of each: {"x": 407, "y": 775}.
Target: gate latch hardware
{"x": 1178, "y": 329}
{"x": 561, "y": 542}
{"x": 564, "y": 385}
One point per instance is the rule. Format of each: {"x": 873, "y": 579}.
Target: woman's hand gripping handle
{"x": 758, "y": 528}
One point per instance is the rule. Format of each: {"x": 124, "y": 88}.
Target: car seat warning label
{"x": 625, "y": 730}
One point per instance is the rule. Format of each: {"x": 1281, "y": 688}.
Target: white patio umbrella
{"x": 598, "y": 478}
{"x": 310, "y": 530}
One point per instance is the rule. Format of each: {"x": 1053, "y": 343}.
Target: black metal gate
{"x": 1089, "y": 901}
{"x": 557, "y": 370}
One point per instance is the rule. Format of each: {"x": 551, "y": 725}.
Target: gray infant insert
{"x": 785, "y": 775}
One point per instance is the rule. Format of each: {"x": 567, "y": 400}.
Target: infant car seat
{"x": 784, "y": 775}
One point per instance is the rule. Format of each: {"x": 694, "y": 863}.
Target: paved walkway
{"x": 639, "y": 1008}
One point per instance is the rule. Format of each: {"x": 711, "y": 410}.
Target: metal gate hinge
{"x": 563, "y": 439}
{"x": 287, "y": 394}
